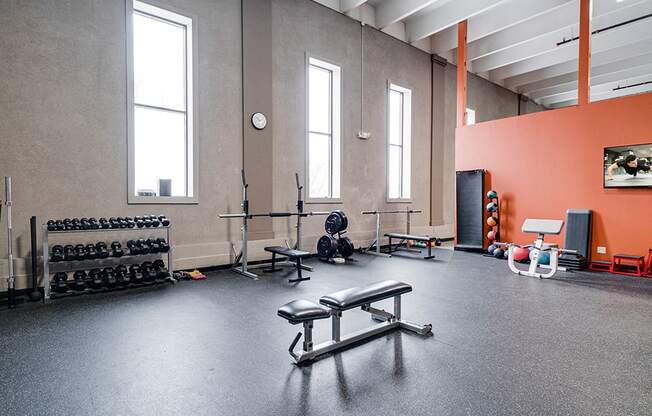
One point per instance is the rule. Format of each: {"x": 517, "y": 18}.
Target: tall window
{"x": 161, "y": 106}
{"x": 470, "y": 117}
{"x": 323, "y": 130}
{"x": 399, "y": 142}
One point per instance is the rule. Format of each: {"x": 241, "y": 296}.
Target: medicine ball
{"x": 491, "y": 235}
{"x": 544, "y": 256}
{"x": 491, "y": 249}
{"x": 499, "y": 253}
{"x": 521, "y": 254}
{"x": 492, "y": 221}
{"x": 492, "y": 207}
{"x": 492, "y": 194}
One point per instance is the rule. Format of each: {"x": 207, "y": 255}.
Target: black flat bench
{"x": 425, "y": 238}
{"x": 304, "y": 312}
{"x": 292, "y": 254}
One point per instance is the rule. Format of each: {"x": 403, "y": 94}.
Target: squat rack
{"x": 378, "y": 213}
{"x": 241, "y": 261}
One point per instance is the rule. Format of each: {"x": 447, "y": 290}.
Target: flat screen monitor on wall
{"x": 628, "y": 166}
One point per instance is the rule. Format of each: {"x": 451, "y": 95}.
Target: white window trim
{"x": 393, "y": 86}
{"x": 467, "y": 116}
{"x": 191, "y": 105}
{"x": 336, "y": 129}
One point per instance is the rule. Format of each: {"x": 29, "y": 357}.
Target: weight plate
{"x": 345, "y": 247}
{"x": 326, "y": 246}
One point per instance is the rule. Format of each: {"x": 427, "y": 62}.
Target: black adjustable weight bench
{"x": 403, "y": 237}
{"x": 332, "y": 306}
{"x": 291, "y": 254}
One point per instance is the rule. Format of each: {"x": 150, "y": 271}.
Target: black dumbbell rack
{"x": 50, "y": 267}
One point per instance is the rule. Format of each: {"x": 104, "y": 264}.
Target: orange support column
{"x": 461, "y": 74}
{"x": 584, "y": 68}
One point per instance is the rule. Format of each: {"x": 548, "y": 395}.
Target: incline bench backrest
{"x": 542, "y": 226}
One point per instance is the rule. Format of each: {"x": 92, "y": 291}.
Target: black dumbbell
{"x": 104, "y": 223}
{"x": 60, "y": 225}
{"x": 95, "y": 279}
{"x": 130, "y": 222}
{"x": 69, "y": 252}
{"x": 76, "y": 224}
{"x": 164, "y": 220}
{"x": 139, "y": 221}
{"x": 52, "y": 225}
{"x": 160, "y": 269}
{"x": 91, "y": 253}
{"x": 57, "y": 253}
{"x": 147, "y": 221}
{"x": 133, "y": 248}
{"x": 102, "y": 250}
{"x": 153, "y": 245}
{"x": 116, "y": 249}
{"x": 163, "y": 245}
{"x": 143, "y": 248}
{"x": 67, "y": 224}
{"x": 122, "y": 275}
{"x": 85, "y": 224}
{"x": 155, "y": 221}
{"x": 80, "y": 252}
{"x": 149, "y": 275}
{"x": 80, "y": 278}
{"x": 108, "y": 278}
{"x": 93, "y": 223}
{"x": 135, "y": 274}
{"x": 60, "y": 282}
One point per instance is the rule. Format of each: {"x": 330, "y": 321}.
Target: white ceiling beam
{"x": 391, "y": 11}
{"x": 446, "y": 16}
{"x": 347, "y": 5}
{"x": 603, "y": 91}
{"x": 612, "y": 39}
{"x": 518, "y": 46}
{"x": 635, "y": 49}
{"x": 495, "y": 20}
{"x": 538, "y": 89}
{"x": 596, "y": 80}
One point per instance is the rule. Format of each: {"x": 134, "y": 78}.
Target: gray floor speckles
{"x": 577, "y": 345}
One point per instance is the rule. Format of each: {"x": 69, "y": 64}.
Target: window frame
{"x": 335, "y": 126}
{"x": 405, "y": 91}
{"x": 467, "y": 117}
{"x": 183, "y": 18}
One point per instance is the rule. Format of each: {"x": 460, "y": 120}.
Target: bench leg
{"x": 307, "y": 336}
{"x": 429, "y": 256}
{"x": 299, "y": 277}
{"x": 273, "y": 268}
{"x": 397, "y": 307}
{"x": 335, "y": 325}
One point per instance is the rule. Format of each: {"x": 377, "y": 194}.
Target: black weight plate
{"x": 345, "y": 220}
{"x": 333, "y": 224}
{"x": 345, "y": 247}
{"x": 326, "y": 246}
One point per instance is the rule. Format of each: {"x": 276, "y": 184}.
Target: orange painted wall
{"x": 544, "y": 163}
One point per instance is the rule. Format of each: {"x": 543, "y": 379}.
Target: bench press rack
{"x": 399, "y": 236}
{"x": 241, "y": 262}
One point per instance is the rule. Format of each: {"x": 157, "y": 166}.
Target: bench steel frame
{"x": 388, "y": 322}
{"x": 374, "y": 248}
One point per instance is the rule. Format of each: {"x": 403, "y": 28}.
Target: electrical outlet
{"x": 602, "y": 250}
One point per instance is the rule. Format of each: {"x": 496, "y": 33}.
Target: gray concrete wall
{"x": 63, "y": 125}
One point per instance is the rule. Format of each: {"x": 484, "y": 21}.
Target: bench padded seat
{"x": 301, "y": 310}
{"x": 288, "y": 252}
{"x": 411, "y": 237}
{"x": 358, "y": 296}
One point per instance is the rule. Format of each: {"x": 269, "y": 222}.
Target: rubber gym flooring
{"x": 503, "y": 345}
{"x": 641, "y": 179}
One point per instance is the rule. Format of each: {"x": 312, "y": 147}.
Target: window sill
{"x": 324, "y": 201}
{"x": 162, "y": 200}
{"x": 399, "y": 201}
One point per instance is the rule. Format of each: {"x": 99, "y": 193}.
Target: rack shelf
{"x": 50, "y": 267}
